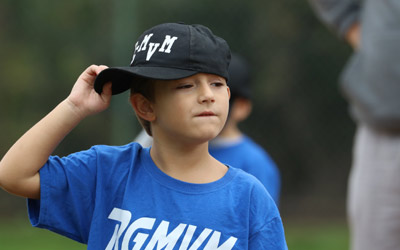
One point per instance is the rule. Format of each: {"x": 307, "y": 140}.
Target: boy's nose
{"x": 206, "y": 94}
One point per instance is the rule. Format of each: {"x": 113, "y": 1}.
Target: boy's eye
{"x": 184, "y": 86}
{"x": 217, "y": 84}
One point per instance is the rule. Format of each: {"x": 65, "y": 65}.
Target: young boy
{"x": 231, "y": 146}
{"x": 173, "y": 195}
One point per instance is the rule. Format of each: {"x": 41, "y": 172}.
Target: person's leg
{"x": 374, "y": 191}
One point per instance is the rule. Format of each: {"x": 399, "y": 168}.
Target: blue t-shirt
{"x": 116, "y": 198}
{"x": 252, "y": 158}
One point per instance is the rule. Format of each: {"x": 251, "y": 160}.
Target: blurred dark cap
{"x": 239, "y": 77}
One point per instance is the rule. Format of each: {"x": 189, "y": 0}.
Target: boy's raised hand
{"x": 19, "y": 168}
{"x": 84, "y": 99}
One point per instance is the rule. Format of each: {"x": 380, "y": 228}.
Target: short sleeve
{"x": 266, "y": 227}
{"x": 270, "y": 237}
{"x": 67, "y": 192}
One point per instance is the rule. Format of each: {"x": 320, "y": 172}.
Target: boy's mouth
{"x": 206, "y": 113}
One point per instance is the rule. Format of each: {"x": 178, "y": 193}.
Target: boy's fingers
{"x": 100, "y": 68}
{"x": 91, "y": 73}
{"x": 107, "y": 89}
{"x": 97, "y": 68}
{"x": 103, "y": 67}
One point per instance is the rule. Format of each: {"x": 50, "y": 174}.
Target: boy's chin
{"x": 206, "y": 137}
{"x": 201, "y": 135}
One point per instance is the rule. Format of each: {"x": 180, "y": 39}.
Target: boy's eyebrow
{"x": 220, "y": 79}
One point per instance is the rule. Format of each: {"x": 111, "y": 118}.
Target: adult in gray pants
{"x": 371, "y": 84}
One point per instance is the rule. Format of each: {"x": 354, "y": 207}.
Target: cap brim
{"x": 122, "y": 77}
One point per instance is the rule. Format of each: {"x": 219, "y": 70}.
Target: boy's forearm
{"x": 19, "y": 169}
{"x": 20, "y": 166}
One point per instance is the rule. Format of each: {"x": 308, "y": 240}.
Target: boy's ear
{"x": 143, "y": 107}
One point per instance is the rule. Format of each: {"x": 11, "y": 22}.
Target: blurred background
{"x": 299, "y": 115}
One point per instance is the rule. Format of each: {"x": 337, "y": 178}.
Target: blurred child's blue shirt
{"x": 245, "y": 154}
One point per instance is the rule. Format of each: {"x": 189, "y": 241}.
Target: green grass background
{"x": 17, "y": 234}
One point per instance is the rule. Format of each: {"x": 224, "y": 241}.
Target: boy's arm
{"x": 19, "y": 168}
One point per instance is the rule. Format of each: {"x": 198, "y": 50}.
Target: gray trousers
{"x": 374, "y": 192}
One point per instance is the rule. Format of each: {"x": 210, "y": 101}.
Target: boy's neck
{"x": 191, "y": 164}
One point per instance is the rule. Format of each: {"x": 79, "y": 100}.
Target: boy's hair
{"x": 145, "y": 87}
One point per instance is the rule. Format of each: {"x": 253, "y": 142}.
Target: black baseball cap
{"x": 170, "y": 51}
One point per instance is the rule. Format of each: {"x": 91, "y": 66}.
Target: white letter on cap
{"x": 145, "y": 41}
{"x": 168, "y": 41}
{"x": 134, "y": 52}
{"x": 152, "y": 48}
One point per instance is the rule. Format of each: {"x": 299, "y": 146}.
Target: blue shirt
{"x": 117, "y": 198}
